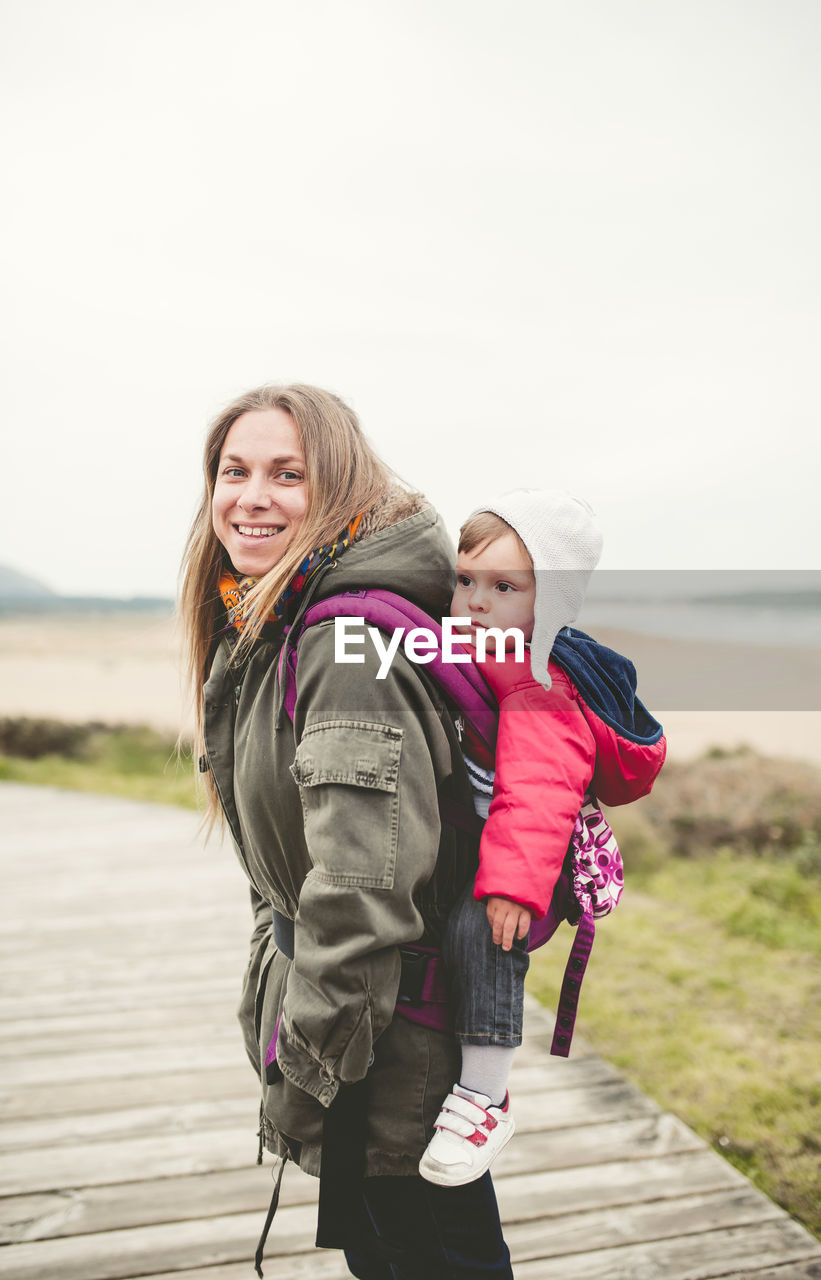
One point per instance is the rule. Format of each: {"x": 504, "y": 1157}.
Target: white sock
{"x": 485, "y": 1069}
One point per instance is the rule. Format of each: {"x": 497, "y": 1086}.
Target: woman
{"x": 333, "y": 806}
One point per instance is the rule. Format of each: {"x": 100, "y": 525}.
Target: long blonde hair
{"x": 344, "y": 477}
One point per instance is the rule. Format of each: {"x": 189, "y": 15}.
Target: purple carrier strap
{"x": 541, "y": 931}
{"x": 462, "y": 682}
{"x": 433, "y": 1010}
{"x": 571, "y": 986}
{"x": 458, "y": 815}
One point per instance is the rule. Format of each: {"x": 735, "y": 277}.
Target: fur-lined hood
{"x": 400, "y": 546}
{"x": 397, "y": 505}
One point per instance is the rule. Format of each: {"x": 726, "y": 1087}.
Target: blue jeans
{"x": 431, "y": 1233}
{"x": 485, "y": 983}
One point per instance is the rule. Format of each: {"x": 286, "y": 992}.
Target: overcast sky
{"x": 540, "y": 243}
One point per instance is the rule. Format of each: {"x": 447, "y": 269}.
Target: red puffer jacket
{"x": 551, "y": 749}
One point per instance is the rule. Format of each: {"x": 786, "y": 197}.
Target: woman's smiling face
{"x": 260, "y": 496}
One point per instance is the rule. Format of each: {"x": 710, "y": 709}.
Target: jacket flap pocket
{"x": 351, "y": 752}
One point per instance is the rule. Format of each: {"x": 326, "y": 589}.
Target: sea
{"x": 775, "y": 607}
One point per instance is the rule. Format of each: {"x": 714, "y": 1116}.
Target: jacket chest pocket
{"x": 348, "y": 777}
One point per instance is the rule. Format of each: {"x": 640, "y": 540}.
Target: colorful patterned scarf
{"x": 234, "y": 590}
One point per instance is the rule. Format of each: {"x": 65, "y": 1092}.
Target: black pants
{"x": 431, "y": 1233}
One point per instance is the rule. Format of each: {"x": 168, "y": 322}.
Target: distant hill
{"x": 19, "y": 592}
{"x": 69, "y": 606}
{"x": 19, "y": 586}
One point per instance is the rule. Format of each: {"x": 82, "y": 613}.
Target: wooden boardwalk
{"x": 127, "y": 1145}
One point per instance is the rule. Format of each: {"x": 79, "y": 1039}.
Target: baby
{"x": 524, "y": 562}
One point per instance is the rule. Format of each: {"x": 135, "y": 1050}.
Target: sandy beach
{"x": 125, "y": 667}
{"x": 112, "y": 667}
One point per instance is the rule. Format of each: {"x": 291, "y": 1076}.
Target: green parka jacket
{"x": 335, "y": 819}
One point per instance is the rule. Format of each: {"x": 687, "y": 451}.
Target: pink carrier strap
{"x": 461, "y": 681}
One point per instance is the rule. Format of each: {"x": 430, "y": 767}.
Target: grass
{"x": 133, "y": 762}
{"x": 704, "y": 987}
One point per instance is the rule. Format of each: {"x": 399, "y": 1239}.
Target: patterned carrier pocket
{"x": 596, "y": 865}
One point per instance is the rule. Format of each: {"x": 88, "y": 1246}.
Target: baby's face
{"x": 495, "y": 587}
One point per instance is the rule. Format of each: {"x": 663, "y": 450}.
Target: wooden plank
{"x": 50, "y": 1002}
{"x": 174, "y": 1091}
{"x": 227, "y": 1238}
{"x": 36, "y": 949}
{"x": 235, "y": 1097}
{"x": 87, "y": 1210}
{"x": 102, "y": 1208}
{"x": 807, "y": 1270}
{"x": 86, "y": 921}
{"x": 748, "y": 1249}
{"x": 552, "y": 1109}
{"x": 620, "y": 1182}
{"x": 567, "y": 1108}
{"x": 125, "y": 1062}
{"x": 70, "y": 919}
{"x": 140, "y": 890}
{"x": 36, "y": 961}
{"x": 653, "y": 1135}
{"x": 547, "y": 1193}
{"x": 128, "y": 1123}
{"x": 87, "y": 1096}
{"x": 92, "y": 1019}
{"x": 165, "y": 1154}
{"x": 685, "y": 1215}
{"x": 194, "y": 1030}
{"x": 321, "y": 1264}
{"x": 138, "y": 878}
{"x": 536, "y": 1075}
{"x": 110, "y": 1255}
{"x": 121, "y": 972}
{"x": 329, "y": 1265}
{"x": 98, "y": 1163}
{"x": 216, "y": 1019}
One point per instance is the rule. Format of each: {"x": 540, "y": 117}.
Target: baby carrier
{"x": 591, "y": 880}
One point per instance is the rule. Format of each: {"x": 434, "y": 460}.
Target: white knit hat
{"x": 564, "y": 542}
